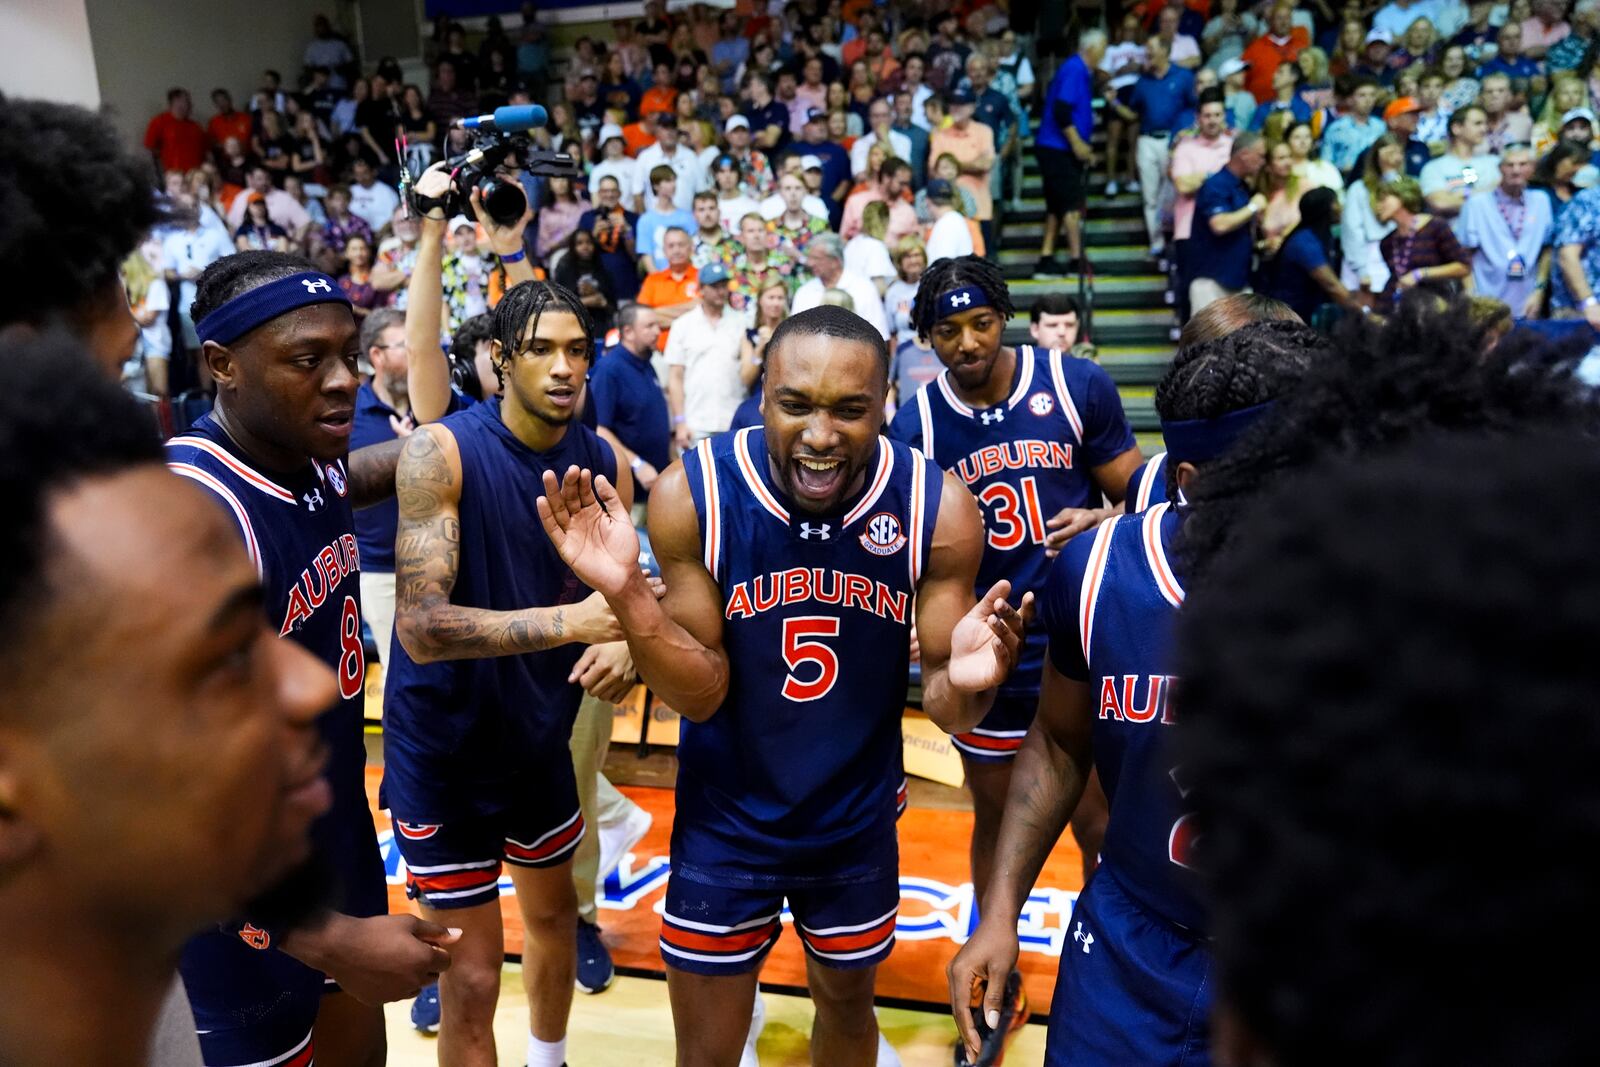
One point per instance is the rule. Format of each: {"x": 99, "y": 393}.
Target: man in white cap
{"x": 757, "y": 169}
{"x": 614, "y": 163}
{"x": 1238, "y": 102}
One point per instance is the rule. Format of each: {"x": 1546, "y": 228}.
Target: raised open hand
{"x": 986, "y": 642}
{"x": 590, "y": 528}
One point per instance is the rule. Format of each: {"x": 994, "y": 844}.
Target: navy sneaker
{"x": 425, "y": 1010}
{"x": 594, "y": 962}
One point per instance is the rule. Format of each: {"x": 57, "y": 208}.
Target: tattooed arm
{"x": 372, "y": 471}
{"x": 1046, "y": 782}
{"x": 428, "y": 554}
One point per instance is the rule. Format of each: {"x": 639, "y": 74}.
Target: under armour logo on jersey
{"x": 994, "y": 416}
{"x": 1083, "y": 937}
{"x": 960, "y": 300}
{"x": 316, "y": 285}
{"x": 313, "y": 499}
{"x": 808, "y": 531}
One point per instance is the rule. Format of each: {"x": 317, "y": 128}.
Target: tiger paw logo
{"x": 883, "y": 536}
{"x": 254, "y": 936}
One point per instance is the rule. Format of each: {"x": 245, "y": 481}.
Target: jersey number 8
{"x": 353, "y": 660}
{"x": 798, "y": 653}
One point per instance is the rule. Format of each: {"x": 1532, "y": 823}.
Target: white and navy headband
{"x": 266, "y": 302}
{"x": 958, "y": 300}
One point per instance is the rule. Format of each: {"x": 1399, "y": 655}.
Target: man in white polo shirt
{"x": 950, "y": 237}
{"x": 668, "y": 149}
{"x": 703, "y": 386}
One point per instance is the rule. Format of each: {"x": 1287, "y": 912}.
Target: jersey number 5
{"x": 1015, "y": 516}
{"x": 353, "y": 660}
{"x": 800, "y": 653}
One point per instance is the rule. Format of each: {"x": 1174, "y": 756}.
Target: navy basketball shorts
{"x": 456, "y": 863}
{"x": 282, "y": 1039}
{"x": 720, "y": 930}
{"x": 1132, "y": 988}
{"x": 997, "y": 738}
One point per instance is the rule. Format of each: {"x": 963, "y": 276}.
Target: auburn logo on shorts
{"x": 417, "y": 831}
{"x": 254, "y": 936}
{"x": 883, "y": 536}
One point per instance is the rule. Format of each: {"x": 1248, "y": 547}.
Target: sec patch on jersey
{"x": 883, "y": 535}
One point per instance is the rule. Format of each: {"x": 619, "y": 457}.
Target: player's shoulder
{"x": 207, "y": 456}
{"x": 906, "y": 426}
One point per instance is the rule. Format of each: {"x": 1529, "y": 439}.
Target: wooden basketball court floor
{"x": 630, "y": 1023}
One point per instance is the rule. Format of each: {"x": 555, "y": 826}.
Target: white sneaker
{"x": 617, "y": 838}
{"x": 758, "y": 1020}
{"x": 1131, "y": 187}
{"x": 887, "y": 1056}
{"x": 1157, "y": 248}
{"x": 1112, "y": 188}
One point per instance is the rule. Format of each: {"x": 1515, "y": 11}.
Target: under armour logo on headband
{"x": 316, "y": 285}
{"x": 967, "y": 298}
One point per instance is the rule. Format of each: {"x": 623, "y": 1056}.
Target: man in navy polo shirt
{"x": 1224, "y": 216}
{"x": 627, "y": 400}
{"x": 383, "y": 412}
{"x": 1160, "y": 102}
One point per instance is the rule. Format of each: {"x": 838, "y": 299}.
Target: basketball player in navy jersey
{"x": 1038, "y": 437}
{"x": 794, "y": 557}
{"x": 490, "y": 625}
{"x": 281, "y": 343}
{"x": 1133, "y": 986}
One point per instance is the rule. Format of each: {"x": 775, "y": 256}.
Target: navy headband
{"x": 1199, "y": 440}
{"x": 264, "y": 303}
{"x": 958, "y": 300}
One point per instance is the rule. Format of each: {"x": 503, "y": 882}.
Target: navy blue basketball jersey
{"x": 1148, "y": 485}
{"x": 798, "y": 772}
{"x": 1109, "y": 608}
{"x": 1024, "y": 459}
{"x": 458, "y": 732}
{"x": 299, "y": 530}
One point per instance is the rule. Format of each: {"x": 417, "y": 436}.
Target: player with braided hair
{"x": 481, "y": 697}
{"x": 1133, "y": 985}
{"x": 1038, "y": 437}
{"x": 1217, "y": 319}
{"x": 1462, "y": 717}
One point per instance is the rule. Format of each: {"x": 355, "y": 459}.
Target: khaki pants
{"x": 1151, "y": 159}
{"x": 1203, "y": 291}
{"x": 598, "y": 799}
{"x": 377, "y": 607}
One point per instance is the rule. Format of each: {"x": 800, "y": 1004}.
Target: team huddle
{"x": 1002, "y": 529}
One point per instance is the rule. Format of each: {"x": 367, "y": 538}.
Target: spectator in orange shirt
{"x": 673, "y": 289}
{"x": 227, "y": 122}
{"x": 662, "y": 94}
{"x": 1280, "y": 44}
{"x": 175, "y": 140}
{"x": 637, "y": 136}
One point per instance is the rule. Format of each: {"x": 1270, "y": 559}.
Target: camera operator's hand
{"x": 434, "y": 184}
{"x": 503, "y": 240}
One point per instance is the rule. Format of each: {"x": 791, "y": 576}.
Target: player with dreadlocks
{"x": 1038, "y": 437}
{"x": 1133, "y": 985}
{"x": 281, "y": 343}
{"x": 481, "y": 698}
{"x": 1394, "y": 527}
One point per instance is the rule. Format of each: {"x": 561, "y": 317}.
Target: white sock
{"x": 546, "y": 1053}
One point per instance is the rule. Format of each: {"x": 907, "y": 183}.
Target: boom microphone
{"x": 518, "y": 119}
